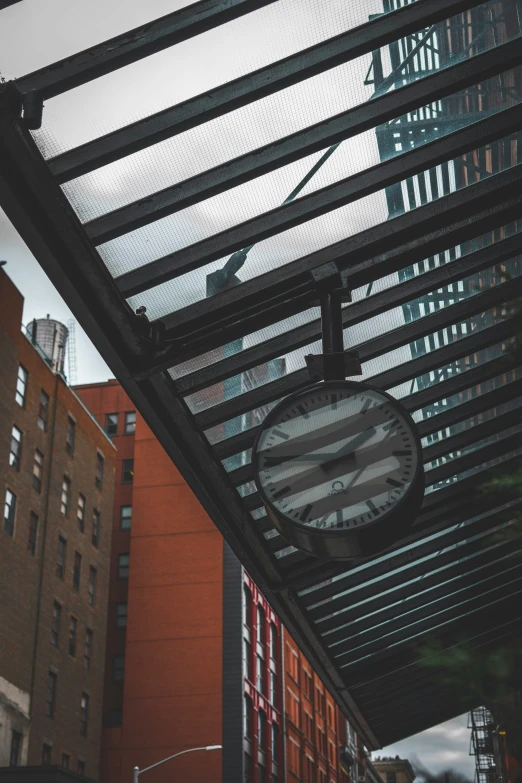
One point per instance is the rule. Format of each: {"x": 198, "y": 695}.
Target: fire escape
{"x": 488, "y": 766}
{"x": 407, "y": 60}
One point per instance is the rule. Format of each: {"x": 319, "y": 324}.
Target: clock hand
{"x": 347, "y": 451}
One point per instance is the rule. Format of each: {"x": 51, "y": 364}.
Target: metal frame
{"x": 456, "y": 527}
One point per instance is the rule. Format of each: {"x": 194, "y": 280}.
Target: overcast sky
{"x": 35, "y": 33}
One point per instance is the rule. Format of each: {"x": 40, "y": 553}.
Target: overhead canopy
{"x": 169, "y": 174}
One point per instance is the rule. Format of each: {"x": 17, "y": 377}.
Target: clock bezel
{"x": 369, "y": 537}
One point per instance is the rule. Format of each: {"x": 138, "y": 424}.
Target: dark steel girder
{"x": 368, "y": 255}
{"x": 447, "y": 445}
{"x": 282, "y": 218}
{"x": 371, "y": 349}
{"x": 258, "y": 84}
{"x": 6, "y": 3}
{"x": 194, "y": 19}
{"x": 434, "y": 587}
{"x": 443, "y": 390}
{"x": 356, "y": 313}
{"x": 489, "y": 617}
{"x": 405, "y": 568}
{"x": 38, "y": 209}
{"x": 271, "y": 157}
{"x": 428, "y": 617}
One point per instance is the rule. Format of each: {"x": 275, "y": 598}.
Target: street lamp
{"x": 138, "y": 771}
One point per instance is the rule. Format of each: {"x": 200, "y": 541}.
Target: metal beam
{"x": 99, "y": 60}
{"x": 254, "y": 86}
{"x": 7, "y": 3}
{"x": 275, "y": 155}
{"x": 35, "y": 204}
{"x": 373, "y": 253}
{"x": 397, "y": 628}
{"x": 369, "y": 307}
{"x": 369, "y": 350}
{"x": 371, "y": 180}
{"x": 443, "y": 390}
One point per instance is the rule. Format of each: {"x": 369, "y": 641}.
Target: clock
{"x": 339, "y": 468}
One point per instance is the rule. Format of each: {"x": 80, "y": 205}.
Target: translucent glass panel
{"x": 192, "y": 67}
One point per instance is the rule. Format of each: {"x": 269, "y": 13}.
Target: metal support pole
{"x": 332, "y": 328}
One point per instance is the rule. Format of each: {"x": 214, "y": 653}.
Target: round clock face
{"x": 338, "y": 456}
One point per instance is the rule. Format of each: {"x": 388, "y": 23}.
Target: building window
{"x": 92, "y": 586}
{"x": 61, "y": 557}
{"x": 125, "y": 517}
{"x": 64, "y": 500}
{"x": 127, "y": 471}
{"x": 66, "y": 760}
{"x": 273, "y": 686}
{"x": 9, "y": 512}
{"x": 84, "y": 711}
{"x": 73, "y": 636}
{"x": 130, "y": 423}
{"x": 248, "y": 727}
{"x": 111, "y": 424}
{"x": 21, "y": 386}
{"x": 247, "y": 606}
{"x": 51, "y": 694}
{"x": 293, "y": 664}
{"x": 43, "y": 410}
{"x": 71, "y": 435}
{"x": 123, "y": 566}
{"x": 80, "y": 513}
{"x": 308, "y": 684}
{"x": 81, "y": 767}
{"x": 15, "y": 756}
{"x": 275, "y": 742}
{"x": 77, "y": 571}
{"x": 46, "y": 754}
{"x": 118, "y": 668}
{"x": 95, "y": 538}
{"x": 33, "y": 533}
{"x": 88, "y": 649}
{"x": 55, "y": 625}
{"x": 116, "y": 718}
{"x": 121, "y": 615}
{"x": 273, "y": 641}
{"x": 38, "y": 470}
{"x": 309, "y": 769}
{"x": 261, "y": 730}
{"x": 16, "y": 448}
{"x": 99, "y": 471}
{"x": 391, "y": 777}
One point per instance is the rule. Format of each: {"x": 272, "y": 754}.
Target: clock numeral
{"x": 303, "y": 413}
{"x": 366, "y": 405}
{"x": 280, "y": 434}
{"x": 404, "y": 453}
{"x": 281, "y": 492}
{"x": 334, "y": 401}
{"x": 393, "y": 483}
{"x": 373, "y": 508}
{"x": 306, "y": 512}
{"x": 339, "y": 517}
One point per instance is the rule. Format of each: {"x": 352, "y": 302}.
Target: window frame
{"x": 21, "y": 379}
{"x": 56, "y": 619}
{"x": 84, "y": 714}
{"x": 118, "y": 666}
{"x": 66, "y": 764}
{"x": 96, "y": 528}
{"x": 100, "y": 466}
{"x": 122, "y": 518}
{"x": 18, "y": 746}
{"x": 111, "y": 427}
{"x": 47, "y": 754}
{"x": 43, "y": 410}
{"x": 80, "y": 518}
{"x": 65, "y": 496}
{"x": 15, "y": 452}
{"x": 129, "y": 425}
{"x": 88, "y": 648}
{"x": 119, "y": 616}
{"x": 77, "y": 571}
{"x": 10, "y": 512}
{"x": 73, "y": 636}
{"x": 124, "y": 567}
{"x": 70, "y": 439}
{"x": 50, "y": 702}
{"x": 62, "y": 550}
{"x": 91, "y": 589}
{"x": 38, "y": 468}
{"x": 127, "y": 473}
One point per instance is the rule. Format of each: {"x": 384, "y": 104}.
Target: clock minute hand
{"x": 348, "y": 449}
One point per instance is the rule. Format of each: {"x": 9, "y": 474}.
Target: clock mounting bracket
{"x": 334, "y": 363}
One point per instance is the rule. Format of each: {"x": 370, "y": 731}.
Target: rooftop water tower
{"x": 51, "y": 337}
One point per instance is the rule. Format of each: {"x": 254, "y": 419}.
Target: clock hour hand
{"x": 347, "y": 451}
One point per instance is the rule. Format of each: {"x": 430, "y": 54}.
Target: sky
{"x": 34, "y": 34}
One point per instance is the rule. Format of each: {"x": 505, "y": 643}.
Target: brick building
{"x": 195, "y": 654}
{"x": 57, "y": 475}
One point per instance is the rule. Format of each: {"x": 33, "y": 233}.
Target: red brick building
{"x": 202, "y": 653}
{"x": 57, "y": 477}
